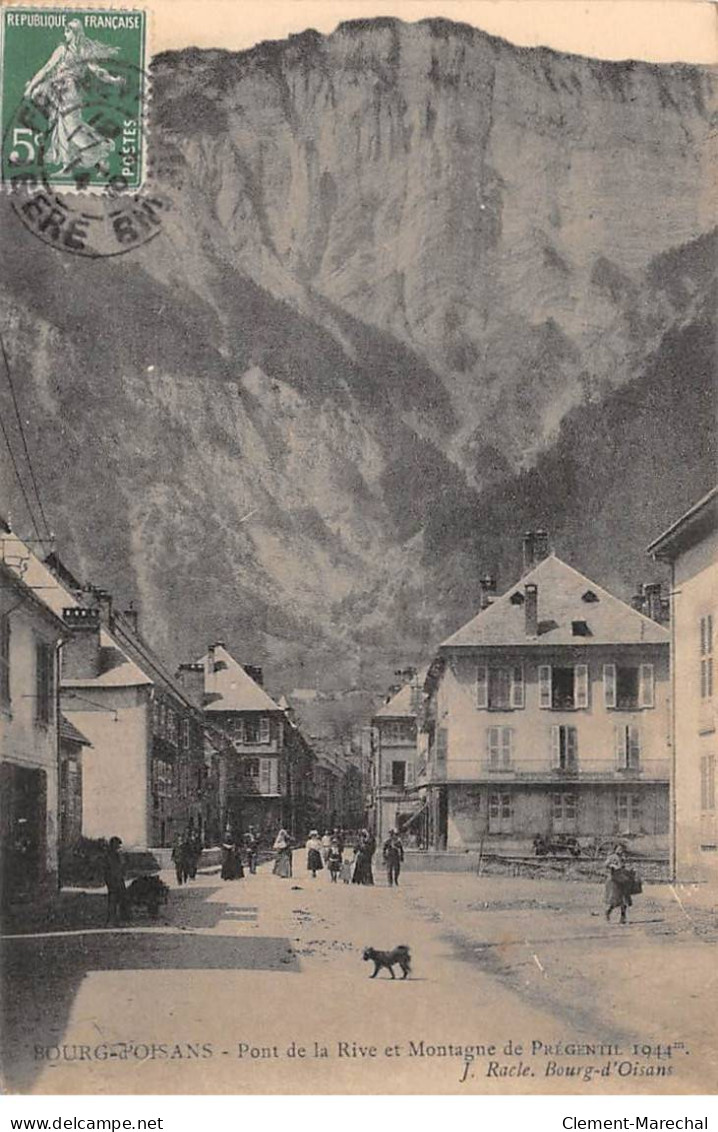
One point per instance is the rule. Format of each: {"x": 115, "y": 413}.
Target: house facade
{"x": 31, "y": 634}
{"x": 547, "y": 714}
{"x": 267, "y": 770}
{"x": 394, "y": 757}
{"x": 144, "y": 775}
{"x": 690, "y": 547}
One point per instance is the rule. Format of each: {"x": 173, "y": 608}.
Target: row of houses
{"x": 561, "y": 712}
{"x": 100, "y": 738}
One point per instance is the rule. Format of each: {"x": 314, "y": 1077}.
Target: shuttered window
{"x": 564, "y": 748}
{"x": 628, "y": 747}
{"x": 499, "y": 747}
{"x": 544, "y": 679}
{"x": 5, "y": 660}
{"x": 517, "y": 686}
{"x": 264, "y": 733}
{"x": 410, "y": 772}
{"x": 646, "y": 688}
{"x": 44, "y": 682}
{"x": 580, "y": 685}
{"x": 442, "y": 744}
{"x": 706, "y": 635}
{"x": 708, "y": 783}
{"x": 265, "y": 776}
{"x": 609, "y": 685}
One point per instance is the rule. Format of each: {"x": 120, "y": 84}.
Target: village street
{"x": 233, "y": 980}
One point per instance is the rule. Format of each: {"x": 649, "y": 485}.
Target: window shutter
{"x": 646, "y": 692}
{"x": 609, "y": 685}
{"x": 507, "y": 736}
{"x": 556, "y": 746}
{"x": 580, "y": 685}
{"x": 620, "y": 745}
{"x": 385, "y": 771}
{"x": 492, "y": 745}
{"x": 442, "y": 744}
{"x": 264, "y": 729}
{"x": 517, "y": 686}
{"x": 273, "y": 776}
{"x": 410, "y": 772}
{"x": 544, "y": 677}
{"x": 264, "y": 776}
{"x": 634, "y": 747}
{"x": 571, "y": 747}
{"x": 482, "y": 686}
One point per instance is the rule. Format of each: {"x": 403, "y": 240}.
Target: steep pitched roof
{"x": 230, "y": 687}
{"x": 561, "y": 601}
{"x": 71, "y": 733}
{"x": 31, "y": 572}
{"x": 690, "y": 528}
{"x": 402, "y": 703}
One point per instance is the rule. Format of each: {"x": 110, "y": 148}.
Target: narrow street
{"x": 223, "y": 990}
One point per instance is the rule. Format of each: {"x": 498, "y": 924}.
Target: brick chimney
{"x": 191, "y": 679}
{"x": 531, "y": 610}
{"x": 535, "y": 549}
{"x": 132, "y": 616}
{"x": 487, "y": 587}
{"x": 104, "y": 604}
{"x": 81, "y": 652}
{"x": 653, "y": 604}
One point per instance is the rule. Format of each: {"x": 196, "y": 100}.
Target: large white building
{"x": 690, "y": 546}
{"x": 30, "y": 636}
{"x": 548, "y": 714}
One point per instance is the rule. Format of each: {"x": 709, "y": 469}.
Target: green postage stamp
{"x": 73, "y": 97}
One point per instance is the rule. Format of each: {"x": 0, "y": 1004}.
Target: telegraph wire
{"x": 48, "y": 532}
{"x": 19, "y": 480}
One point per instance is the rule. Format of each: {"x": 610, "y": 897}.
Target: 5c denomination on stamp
{"x": 73, "y": 97}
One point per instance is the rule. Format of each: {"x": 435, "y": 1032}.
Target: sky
{"x": 656, "y": 30}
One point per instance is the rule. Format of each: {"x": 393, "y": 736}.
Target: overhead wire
{"x": 30, "y": 510}
{"x": 21, "y": 428}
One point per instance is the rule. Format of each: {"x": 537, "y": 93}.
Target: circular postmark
{"x": 72, "y": 163}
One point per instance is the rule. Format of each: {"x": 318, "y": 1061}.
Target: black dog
{"x": 149, "y": 891}
{"x": 398, "y": 957}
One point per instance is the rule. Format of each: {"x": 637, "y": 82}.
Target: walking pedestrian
{"x": 362, "y": 869}
{"x": 620, "y": 883}
{"x": 283, "y": 855}
{"x": 179, "y": 859}
{"x": 114, "y": 876}
{"x": 231, "y": 860}
{"x": 251, "y": 845}
{"x": 334, "y": 861}
{"x": 393, "y": 854}
{"x": 314, "y": 853}
{"x": 326, "y": 845}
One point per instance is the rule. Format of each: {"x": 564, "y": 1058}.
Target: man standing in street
{"x": 393, "y": 856}
{"x": 114, "y": 867}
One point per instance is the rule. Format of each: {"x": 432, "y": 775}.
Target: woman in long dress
{"x": 57, "y": 87}
{"x": 618, "y": 883}
{"x": 283, "y": 855}
{"x": 362, "y": 869}
{"x": 314, "y": 853}
{"x": 231, "y": 860}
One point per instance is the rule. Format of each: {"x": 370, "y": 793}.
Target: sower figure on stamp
{"x": 57, "y": 87}
{"x": 393, "y": 856}
{"x": 114, "y": 870}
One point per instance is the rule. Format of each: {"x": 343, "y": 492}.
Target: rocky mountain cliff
{"x": 419, "y": 289}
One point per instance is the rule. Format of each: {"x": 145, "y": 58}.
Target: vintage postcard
{"x": 358, "y": 543}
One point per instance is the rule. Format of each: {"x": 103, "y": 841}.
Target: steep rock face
{"x": 407, "y": 274}
{"x": 487, "y": 205}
